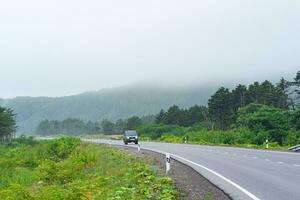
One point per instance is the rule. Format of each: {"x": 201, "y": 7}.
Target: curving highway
{"x": 241, "y": 173}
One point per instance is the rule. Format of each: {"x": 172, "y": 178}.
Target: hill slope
{"x": 111, "y": 104}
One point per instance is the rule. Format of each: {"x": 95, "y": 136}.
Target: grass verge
{"x": 68, "y": 169}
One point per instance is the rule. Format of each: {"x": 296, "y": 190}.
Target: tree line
{"x": 7, "y": 124}
{"x": 267, "y": 110}
{"x": 72, "y": 126}
{"x": 182, "y": 116}
{"x": 68, "y": 126}
{"x": 223, "y": 106}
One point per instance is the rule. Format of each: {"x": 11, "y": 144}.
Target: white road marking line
{"x": 267, "y": 160}
{"x": 279, "y": 162}
{"x": 252, "y": 196}
{"x": 296, "y": 165}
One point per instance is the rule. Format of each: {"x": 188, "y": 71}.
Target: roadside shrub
{"x": 48, "y": 171}
{"x": 15, "y": 192}
{"x": 84, "y": 156}
{"x": 158, "y": 130}
{"x": 54, "y": 192}
{"x": 23, "y": 140}
{"x": 61, "y": 148}
{"x": 292, "y": 138}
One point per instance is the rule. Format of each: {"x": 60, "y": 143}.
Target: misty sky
{"x": 63, "y": 47}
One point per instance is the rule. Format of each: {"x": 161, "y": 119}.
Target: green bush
{"x": 15, "y": 192}
{"x": 61, "y": 148}
{"x": 261, "y": 118}
{"x": 22, "y": 140}
{"x": 158, "y": 130}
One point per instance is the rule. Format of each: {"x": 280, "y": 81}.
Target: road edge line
{"x": 252, "y": 196}
{"x": 249, "y": 194}
{"x": 246, "y": 192}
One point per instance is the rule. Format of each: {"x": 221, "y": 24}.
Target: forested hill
{"x": 109, "y": 104}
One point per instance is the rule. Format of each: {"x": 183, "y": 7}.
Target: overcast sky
{"x": 63, "y": 47}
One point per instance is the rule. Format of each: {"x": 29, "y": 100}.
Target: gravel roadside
{"x": 191, "y": 184}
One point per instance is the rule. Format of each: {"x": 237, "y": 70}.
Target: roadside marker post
{"x": 139, "y": 148}
{"x": 168, "y": 163}
{"x": 267, "y": 144}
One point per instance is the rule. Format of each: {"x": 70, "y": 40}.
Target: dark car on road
{"x": 130, "y": 136}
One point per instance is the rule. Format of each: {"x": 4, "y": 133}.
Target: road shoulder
{"x": 187, "y": 180}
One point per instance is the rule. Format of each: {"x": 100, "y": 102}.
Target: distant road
{"x": 242, "y": 173}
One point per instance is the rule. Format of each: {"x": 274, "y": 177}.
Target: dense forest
{"x": 247, "y": 114}
{"x": 111, "y": 104}
{"x": 223, "y": 106}
{"x": 7, "y": 124}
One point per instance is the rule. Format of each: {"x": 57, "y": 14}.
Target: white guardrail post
{"x": 139, "y": 148}
{"x": 168, "y": 163}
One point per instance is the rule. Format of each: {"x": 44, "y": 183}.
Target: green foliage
{"x": 219, "y": 106}
{"x": 15, "y": 192}
{"x": 108, "y": 127}
{"x": 240, "y": 137}
{"x": 68, "y": 169}
{"x": 79, "y": 127}
{"x": 229, "y": 137}
{"x": 158, "y": 130}
{"x": 260, "y": 118}
{"x": 61, "y": 149}
{"x": 296, "y": 88}
{"x": 182, "y": 117}
{"x": 255, "y": 123}
{"x": 22, "y": 140}
{"x": 67, "y": 127}
{"x": 120, "y": 126}
{"x": 224, "y": 104}
{"x": 295, "y": 118}
{"x": 7, "y": 124}
{"x": 133, "y": 122}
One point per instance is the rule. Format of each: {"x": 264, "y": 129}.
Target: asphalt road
{"x": 242, "y": 173}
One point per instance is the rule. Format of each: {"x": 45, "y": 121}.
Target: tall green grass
{"x": 68, "y": 169}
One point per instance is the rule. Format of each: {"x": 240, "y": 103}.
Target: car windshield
{"x": 130, "y": 133}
